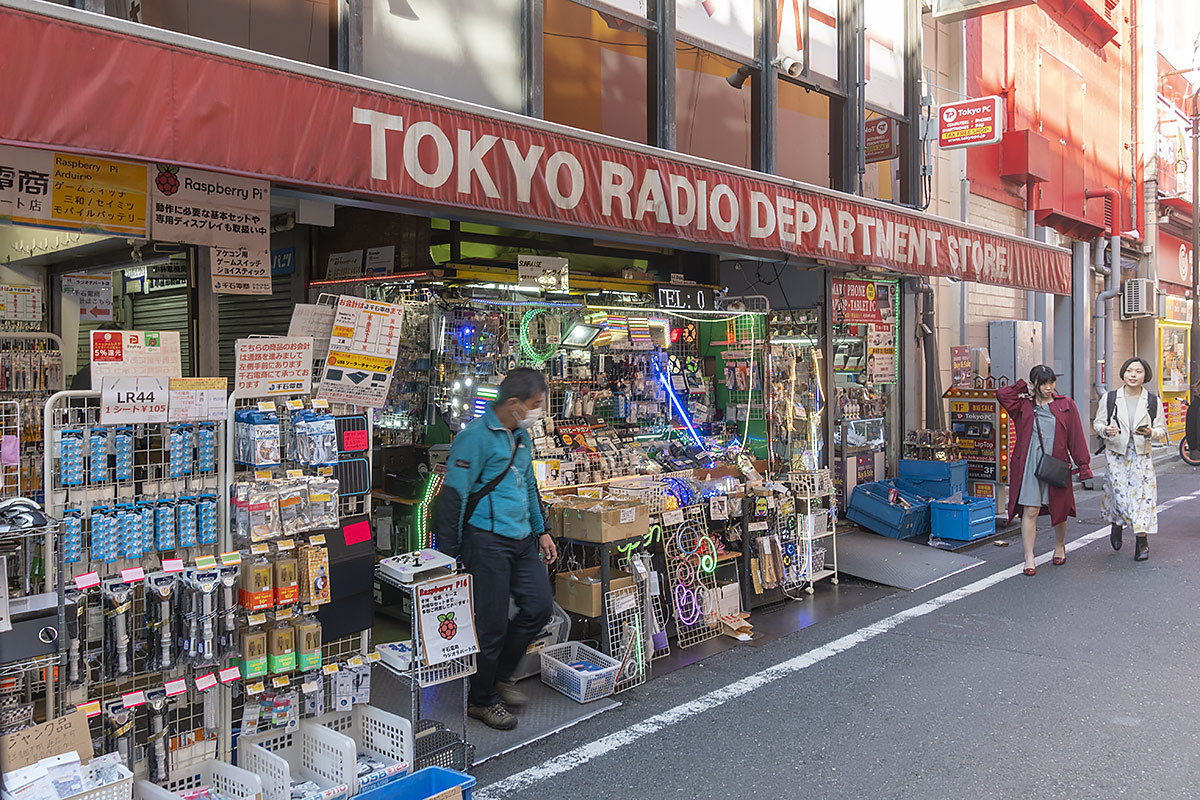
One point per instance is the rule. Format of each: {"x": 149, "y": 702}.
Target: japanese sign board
{"x": 882, "y": 365}
{"x": 882, "y": 137}
{"x": 93, "y": 295}
{"x": 381, "y": 261}
{"x": 971, "y": 122}
{"x": 125, "y": 400}
{"x": 343, "y": 266}
{"x": 144, "y": 354}
{"x": 856, "y": 302}
{"x": 961, "y": 371}
{"x": 547, "y": 273}
{"x": 273, "y": 365}
{"x": 362, "y": 352}
{"x": 983, "y": 431}
{"x": 1174, "y": 259}
{"x": 283, "y": 261}
{"x": 41, "y": 187}
{"x": 21, "y": 303}
{"x": 241, "y": 270}
{"x": 446, "y": 619}
{"x": 60, "y": 735}
{"x": 196, "y": 399}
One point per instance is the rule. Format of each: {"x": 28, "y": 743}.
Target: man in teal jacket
{"x": 489, "y": 514}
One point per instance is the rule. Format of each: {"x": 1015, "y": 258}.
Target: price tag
{"x": 295, "y": 405}
{"x": 256, "y": 619}
{"x": 374, "y": 657}
{"x": 206, "y": 562}
{"x": 320, "y": 403}
{"x": 758, "y": 526}
{"x": 317, "y": 540}
{"x": 175, "y": 687}
{"x": 673, "y": 517}
{"x": 311, "y": 609}
{"x": 263, "y": 474}
{"x": 266, "y": 405}
{"x": 284, "y": 614}
{"x": 133, "y": 574}
{"x": 206, "y": 682}
{"x": 260, "y": 549}
{"x": 329, "y": 669}
{"x": 284, "y": 545}
{"x": 255, "y": 688}
{"x": 231, "y": 559}
{"x": 133, "y": 699}
{"x": 356, "y": 661}
{"x": 718, "y": 506}
{"x": 280, "y": 681}
{"x": 325, "y": 472}
{"x": 229, "y": 674}
{"x": 308, "y": 687}
{"x": 90, "y": 709}
{"x": 295, "y": 473}
{"x": 87, "y": 581}
{"x": 172, "y": 565}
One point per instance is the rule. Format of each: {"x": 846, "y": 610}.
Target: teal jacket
{"x": 479, "y": 453}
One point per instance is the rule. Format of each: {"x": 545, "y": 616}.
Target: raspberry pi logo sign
{"x": 445, "y": 619}
{"x": 447, "y": 627}
{"x": 167, "y": 179}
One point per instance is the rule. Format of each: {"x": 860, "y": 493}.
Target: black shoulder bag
{"x": 1051, "y": 470}
{"x": 474, "y": 498}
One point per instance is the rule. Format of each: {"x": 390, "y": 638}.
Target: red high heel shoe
{"x": 1057, "y": 561}
{"x": 1030, "y": 570}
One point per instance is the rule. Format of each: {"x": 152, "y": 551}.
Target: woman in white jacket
{"x": 1130, "y": 486}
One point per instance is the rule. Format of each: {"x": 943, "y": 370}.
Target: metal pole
{"x": 1195, "y": 334}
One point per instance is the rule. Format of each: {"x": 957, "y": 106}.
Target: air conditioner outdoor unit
{"x": 1137, "y": 298}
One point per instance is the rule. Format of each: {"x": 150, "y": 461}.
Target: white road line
{"x": 534, "y": 775}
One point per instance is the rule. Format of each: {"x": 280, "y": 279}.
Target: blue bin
{"x": 963, "y": 522}
{"x": 869, "y": 507}
{"x": 935, "y": 478}
{"x": 424, "y": 784}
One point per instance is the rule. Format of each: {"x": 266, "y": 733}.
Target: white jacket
{"x": 1120, "y": 442}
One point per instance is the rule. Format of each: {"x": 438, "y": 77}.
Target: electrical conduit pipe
{"x": 1112, "y": 283}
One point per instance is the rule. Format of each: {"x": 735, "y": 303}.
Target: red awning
{"x": 138, "y": 92}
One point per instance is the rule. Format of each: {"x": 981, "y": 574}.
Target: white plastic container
{"x": 232, "y": 782}
{"x": 309, "y": 753}
{"x": 377, "y": 733}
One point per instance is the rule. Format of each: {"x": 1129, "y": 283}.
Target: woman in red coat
{"x": 1059, "y": 432}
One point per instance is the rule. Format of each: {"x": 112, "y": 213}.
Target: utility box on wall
{"x": 1016, "y": 348}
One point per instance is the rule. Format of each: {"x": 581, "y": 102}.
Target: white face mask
{"x": 532, "y": 415}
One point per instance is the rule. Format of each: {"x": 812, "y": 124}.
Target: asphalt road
{"x": 1079, "y": 682}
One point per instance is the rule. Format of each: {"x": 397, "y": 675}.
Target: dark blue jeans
{"x": 501, "y": 567}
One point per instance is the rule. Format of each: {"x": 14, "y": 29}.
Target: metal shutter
{"x": 165, "y": 311}
{"x": 245, "y": 315}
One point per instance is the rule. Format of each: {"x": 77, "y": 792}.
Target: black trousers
{"x": 501, "y": 567}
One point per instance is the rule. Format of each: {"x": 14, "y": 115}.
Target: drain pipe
{"x": 1112, "y": 281}
{"x": 1101, "y": 315}
{"x": 934, "y": 419}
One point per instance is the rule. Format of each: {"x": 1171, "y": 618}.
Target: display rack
{"x": 691, "y": 571}
{"x": 31, "y": 369}
{"x": 817, "y": 516}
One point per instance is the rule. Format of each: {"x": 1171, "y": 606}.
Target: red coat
{"x": 1069, "y": 444}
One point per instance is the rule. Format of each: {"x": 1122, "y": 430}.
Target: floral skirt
{"x": 1131, "y": 491}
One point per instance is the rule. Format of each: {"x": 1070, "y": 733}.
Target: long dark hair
{"x": 1039, "y": 376}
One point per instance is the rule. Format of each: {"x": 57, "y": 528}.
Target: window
{"x": 802, "y": 134}
{"x": 712, "y": 117}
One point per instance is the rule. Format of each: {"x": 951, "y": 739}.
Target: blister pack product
{"x": 181, "y": 455}
{"x": 262, "y": 503}
{"x": 104, "y": 539}
{"x": 123, "y": 452}
{"x": 72, "y": 535}
{"x": 129, "y": 530}
{"x": 241, "y": 436}
{"x": 70, "y": 457}
{"x": 145, "y": 512}
{"x": 241, "y": 509}
{"x": 98, "y": 455}
{"x": 323, "y": 502}
{"x": 206, "y": 516}
{"x": 206, "y": 447}
{"x": 257, "y": 438}
{"x": 164, "y": 524}
{"x": 185, "y": 508}
{"x": 293, "y": 506}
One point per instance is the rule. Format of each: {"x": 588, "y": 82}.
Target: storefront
{"x": 309, "y": 315}
{"x": 1173, "y": 329}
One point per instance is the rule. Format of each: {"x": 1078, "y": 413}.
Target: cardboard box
{"x": 729, "y": 596}
{"x": 611, "y": 520}
{"x": 574, "y": 593}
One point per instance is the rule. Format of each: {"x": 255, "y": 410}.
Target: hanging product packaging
{"x": 257, "y": 592}
{"x": 258, "y": 438}
{"x": 206, "y": 513}
{"x": 204, "y": 586}
{"x": 181, "y": 458}
{"x": 206, "y": 447}
{"x": 164, "y": 524}
{"x": 103, "y": 543}
{"x": 76, "y": 618}
{"x": 322, "y": 433}
{"x": 287, "y": 580}
{"x": 281, "y": 649}
{"x": 160, "y": 619}
{"x": 239, "y": 495}
{"x": 129, "y": 531}
{"x": 98, "y": 455}
{"x": 262, "y": 506}
{"x": 186, "y": 516}
{"x": 145, "y": 512}
{"x": 72, "y": 535}
{"x": 123, "y": 451}
{"x": 118, "y": 618}
{"x": 293, "y": 506}
{"x": 323, "y": 502}
{"x": 314, "y": 574}
{"x": 70, "y": 457}
{"x": 308, "y": 643}
{"x": 253, "y": 654}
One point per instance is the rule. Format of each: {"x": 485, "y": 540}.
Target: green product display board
{"x": 713, "y": 336}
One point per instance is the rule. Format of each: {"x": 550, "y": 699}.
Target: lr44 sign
{"x": 129, "y": 400}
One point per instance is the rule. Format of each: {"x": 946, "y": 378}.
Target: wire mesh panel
{"x": 10, "y": 448}
{"x": 691, "y": 573}
{"x": 31, "y": 369}
{"x": 631, "y": 645}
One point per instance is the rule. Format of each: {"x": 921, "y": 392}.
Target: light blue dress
{"x": 1034, "y": 492}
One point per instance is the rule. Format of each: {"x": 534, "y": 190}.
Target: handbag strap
{"x": 1037, "y": 426}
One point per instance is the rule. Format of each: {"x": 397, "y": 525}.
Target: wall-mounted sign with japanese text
{"x": 92, "y": 294}
{"x": 971, "y": 122}
{"x": 857, "y": 301}
{"x": 344, "y": 266}
{"x": 273, "y": 365}
{"x": 362, "y": 352}
{"x": 21, "y": 303}
{"x": 125, "y": 400}
{"x": 142, "y": 354}
{"x": 197, "y": 399}
{"x": 882, "y": 365}
{"x": 547, "y": 273}
{"x": 97, "y": 195}
{"x": 230, "y": 214}
{"x": 446, "y": 619}
{"x": 882, "y": 137}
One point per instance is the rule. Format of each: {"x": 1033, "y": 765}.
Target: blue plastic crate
{"x": 963, "y": 522}
{"x": 935, "y": 478}
{"x": 423, "y": 784}
{"x": 869, "y": 507}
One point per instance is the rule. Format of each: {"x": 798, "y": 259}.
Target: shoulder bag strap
{"x": 475, "y": 497}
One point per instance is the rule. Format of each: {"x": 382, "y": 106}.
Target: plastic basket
{"x": 430, "y": 782}
{"x": 870, "y": 507}
{"x": 438, "y": 746}
{"x": 229, "y": 781}
{"x": 582, "y": 687}
{"x": 310, "y": 753}
{"x": 963, "y": 522}
{"x": 117, "y": 790}
{"x": 377, "y": 733}
{"x": 814, "y": 526}
{"x": 818, "y": 560}
{"x": 811, "y": 484}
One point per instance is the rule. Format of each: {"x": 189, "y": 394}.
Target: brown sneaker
{"x": 511, "y": 695}
{"x": 494, "y": 716}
